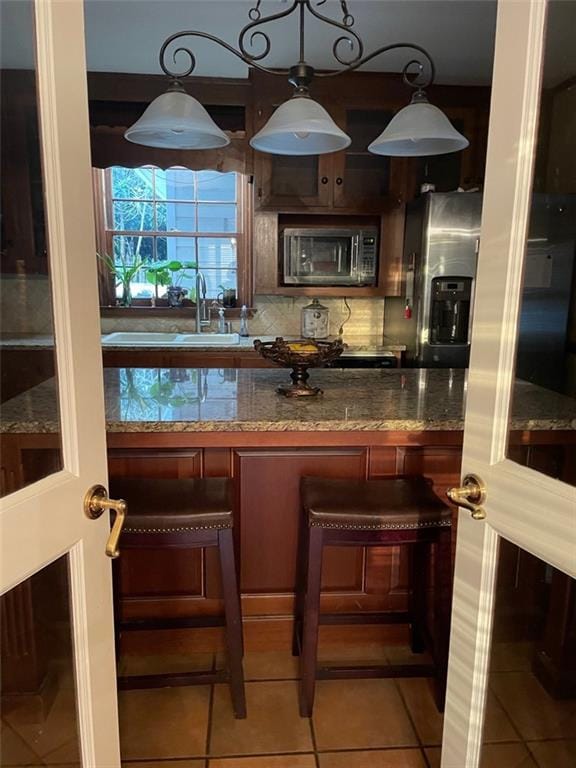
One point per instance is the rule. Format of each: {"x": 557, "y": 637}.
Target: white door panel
{"x": 523, "y": 506}
{"x": 58, "y": 636}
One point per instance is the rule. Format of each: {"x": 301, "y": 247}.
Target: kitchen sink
{"x": 207, "y": 339}
{"x": 141, "y": 339}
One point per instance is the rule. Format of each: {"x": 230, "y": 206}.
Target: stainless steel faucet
{"x": 202, "y": 316}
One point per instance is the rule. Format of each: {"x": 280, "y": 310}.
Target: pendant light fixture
{"x": 299, "y": 126}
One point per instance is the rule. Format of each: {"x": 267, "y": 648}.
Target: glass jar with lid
{"x": 315, "y": 321}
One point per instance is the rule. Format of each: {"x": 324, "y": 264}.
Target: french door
{"x": 58, "y": 672}
{"x": 512, "y": 672}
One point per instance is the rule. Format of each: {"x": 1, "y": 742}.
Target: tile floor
{"x": 356, "y": 724}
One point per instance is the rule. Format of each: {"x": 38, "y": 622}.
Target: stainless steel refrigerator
{"x": 440, "y": 253}
{"x": 441, "y": 245}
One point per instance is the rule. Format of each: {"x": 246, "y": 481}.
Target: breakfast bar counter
{"x": 176, "y": 400}
{"x": 191, "y": 422}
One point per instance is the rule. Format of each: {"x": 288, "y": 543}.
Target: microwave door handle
{"x": 339, "y": 258}
{"x": 355, "y": 253}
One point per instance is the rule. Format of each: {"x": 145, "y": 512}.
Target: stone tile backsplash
{"x": 26, "y": 305}
{"x": 275, "y": 316}
{"x": 26, "y": 308}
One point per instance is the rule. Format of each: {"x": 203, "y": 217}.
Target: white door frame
{"x": 45, "y": 520}
{"x": 532, "y": 510}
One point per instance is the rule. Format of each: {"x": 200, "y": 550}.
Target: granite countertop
{"x": 353, "y": 346}
{"x": 245, "y": 400}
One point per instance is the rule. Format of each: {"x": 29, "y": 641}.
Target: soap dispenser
{"x": 244, "y": 321}
{"x": 221, "y": 321}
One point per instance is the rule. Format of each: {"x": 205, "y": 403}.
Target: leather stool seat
{"x": 185, "y": 514}
{"x": 388, "y": 511}
{"x": 390, "y": 503}
{"x": 176, "y": 506}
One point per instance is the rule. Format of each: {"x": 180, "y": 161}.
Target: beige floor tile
{"x": 493, "y": 756}
{"x": 68, "y": 754}
{"x": 43, "y": 735}
{"x": 269, "y": 761}
{"x": 150, "y": 665}
{"x": 401, "y": 654}
{"x": 511, "y": 657}
{"x": 267, "y": 665}
{"x": 554, "y": 754}
{"x": 273, "y": 723}
{"x": 536, "y": 714}
{"x": 369, "y": 653}
{"x": 359, "y": 714}
{"x": 418, "y": 694}
{"x": 389, "y": 758}
{"x": 163, "y": 722}
{"x": 14, "y": 751}
{"x": 433, "y": 755}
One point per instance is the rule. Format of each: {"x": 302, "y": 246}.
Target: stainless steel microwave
{"x": 330, "y": 256}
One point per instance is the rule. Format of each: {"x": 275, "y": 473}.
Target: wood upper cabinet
{"x": 352, "y": 180}
{"x": 355, "y": 180}
{"x": 284, "y": 181}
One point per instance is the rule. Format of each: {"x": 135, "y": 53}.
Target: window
{"x": 194, "y": 217}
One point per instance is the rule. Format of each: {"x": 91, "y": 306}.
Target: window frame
{"x": 103, "y": 205}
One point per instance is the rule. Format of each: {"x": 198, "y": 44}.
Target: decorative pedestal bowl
{"x": 299, "y": 355}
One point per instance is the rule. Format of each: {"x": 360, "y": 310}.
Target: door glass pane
{"x": 30, "y": 425}
{"x": 38, "y": 700}
{"x": 544, "y": 397}
{"x": 531, "y": 703}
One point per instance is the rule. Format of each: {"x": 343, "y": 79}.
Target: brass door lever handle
{"x": 96, "y": 502}
{"x": 470, "y": 495}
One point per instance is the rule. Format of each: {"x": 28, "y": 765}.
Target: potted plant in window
{"x": 171, "y": 274}
{"x": 123, "y": 272}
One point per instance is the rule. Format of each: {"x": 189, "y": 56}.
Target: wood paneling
{"x": 270, "y": 503}
{"x": 149, "y": 575}
{"x": 154, "y": 358}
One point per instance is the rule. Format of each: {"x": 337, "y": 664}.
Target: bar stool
{"x": 399, "y": 510}
{"x": 186, "y": 514}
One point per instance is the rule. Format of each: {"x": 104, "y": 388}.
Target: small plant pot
{"x": 175, "y": 295}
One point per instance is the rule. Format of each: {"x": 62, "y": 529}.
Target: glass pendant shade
{"x": 175, "y": 120}
{"x": 418, "y": 130}
{"x": 300, "y": 126}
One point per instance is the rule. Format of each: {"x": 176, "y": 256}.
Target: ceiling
{"x": 125, "y": 35}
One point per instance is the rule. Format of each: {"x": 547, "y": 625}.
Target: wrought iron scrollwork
{"x": 416, "y": 73}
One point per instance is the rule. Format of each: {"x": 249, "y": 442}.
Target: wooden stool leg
{"x": 301, "y": 570}
{"x": 234, "y": 644}
{"x": 418, "y": 554}
{"x": 309, "y": 655}
{"x": 442, "y": 611}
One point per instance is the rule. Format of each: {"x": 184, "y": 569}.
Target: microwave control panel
{"x": 368, "y": 259}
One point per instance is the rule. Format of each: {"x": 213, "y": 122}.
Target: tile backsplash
{"x": 275, "y": 316}
{"x": 26, "y": 304}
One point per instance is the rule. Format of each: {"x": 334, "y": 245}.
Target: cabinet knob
{"x": 339, "y": 181}
{"x": 324, "y": 179}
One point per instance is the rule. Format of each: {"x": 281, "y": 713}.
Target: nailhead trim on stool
{"x": 383, "y": 526}
{"x": 390, "y": 511}
{"x": 186, "y": 514}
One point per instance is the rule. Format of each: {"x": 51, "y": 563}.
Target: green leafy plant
{"x": 169, "y": 272}
{"x": 123, "y": 272}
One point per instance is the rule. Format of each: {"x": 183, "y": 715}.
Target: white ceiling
{"x": 125, "y": 35}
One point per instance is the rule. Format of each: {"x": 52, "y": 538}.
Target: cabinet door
{"x": 363, "y": 180}
{"x": 448, "y": 172}
{"x": 284, "y": 181}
